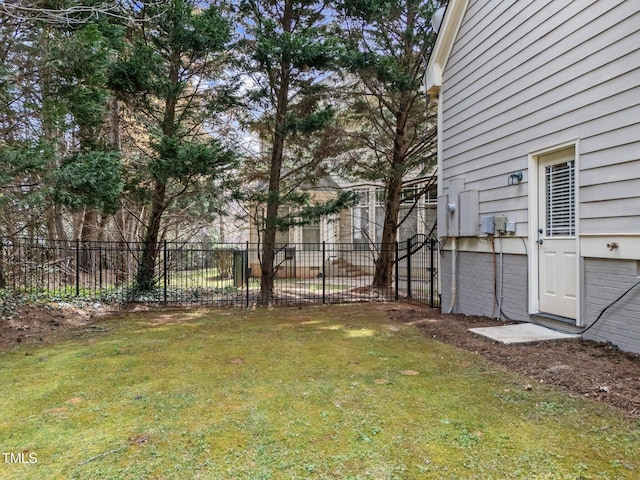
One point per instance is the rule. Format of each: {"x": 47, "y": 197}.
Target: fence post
{"x": 77, "y": 267}
{"x": 100, "y": 264}
{"x": 246, "y": 272}
{"x": 324, "y": 279}
{"x": 2, "y": 276}
{"x": 397, "y": 273}
{"x": 431, "y": 274}
{"x": 164, "y": 267}
{"x": 409, "y": 293}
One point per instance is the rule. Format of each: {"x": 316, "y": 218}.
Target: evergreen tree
{"x": 289, "y": 55}
{"x": 54, "y": 99}
{"x": 168, "y": 76}
{"x": 23, "y": 153}
{"x": 389, "y": 43}
{"x": 88, "y": 179}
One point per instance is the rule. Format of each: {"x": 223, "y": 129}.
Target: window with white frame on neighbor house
{"x": 408, "y": 214}
{"x": 311, "y": 236}
{"x": 417, "y": 214}
{"x": 282, "y": 237}
{"x": 360, "y": 220}
{"x": 430, "y": 210}
{"x": 379, "y": 214}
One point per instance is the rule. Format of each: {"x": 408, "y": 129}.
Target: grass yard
{"x": 337, "y": 392}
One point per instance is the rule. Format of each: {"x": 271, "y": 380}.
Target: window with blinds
{"x": 561, "y": 199}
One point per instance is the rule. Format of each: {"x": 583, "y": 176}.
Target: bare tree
{"x": 74, "y": 14}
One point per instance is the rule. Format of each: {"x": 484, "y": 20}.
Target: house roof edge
{"x": 444, "y": 43}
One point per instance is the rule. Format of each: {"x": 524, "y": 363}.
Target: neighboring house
{"x": 351, "y": 237}
{"x": 539, "y": 162}
{"x": 364, "y": 220}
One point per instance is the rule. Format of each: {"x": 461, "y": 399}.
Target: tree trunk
{"x": 57, "y": 221}
{"x": 146, "y": 269}
{"x": 114, "y": 123}
{"x": 76, "y": 221}
{"x": 120, "y": 263}
{"x": 57, "y": 235}
{"x": 88, "y": 235}
{"x": 383, "y": 274}
{"x": 150, "y": 248}
{"x": 267, "y": 279}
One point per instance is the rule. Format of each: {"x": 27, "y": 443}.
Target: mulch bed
{"x": 590, "y": 369}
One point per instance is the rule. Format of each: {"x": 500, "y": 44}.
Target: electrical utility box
{"x": 487, "y": 225}
{"x": 443, "y": 216}
{"x": 469, "y": 213}
{"x": 449, "y": 209}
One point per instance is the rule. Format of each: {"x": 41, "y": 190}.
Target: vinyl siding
{"x": 523, "y": 76}
{"x": 476, "y": 288}
{"x": 605, "y": 282}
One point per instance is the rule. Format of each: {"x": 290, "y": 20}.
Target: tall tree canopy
{"x": 117, "y": 115}
{"x": 168, "y": 75}
{"x": 289, "y": 55}
{"x": 395, "y": 130}
{"x": 53, "y": 105}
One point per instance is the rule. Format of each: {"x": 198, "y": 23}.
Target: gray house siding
{"x": 524, "y": 77}
{"x": 606, "y": 281}
{"x": 476, "y": 285}
{"x": 546, "y": 71}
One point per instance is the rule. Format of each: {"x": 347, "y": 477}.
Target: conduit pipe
{"x": 454, "y": 273}
{"x": 500, "y": 295}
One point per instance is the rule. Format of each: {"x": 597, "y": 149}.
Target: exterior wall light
{"x": 436, "y": 19}
{"x": 515, "y": 178}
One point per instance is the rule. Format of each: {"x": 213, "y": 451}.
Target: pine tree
{"x": 289, "y": 55}
{"x": 167, "y": 77}
{"x": 54, "y": 104}
{"x": 389, "y": 44}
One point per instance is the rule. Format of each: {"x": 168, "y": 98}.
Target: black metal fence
{"x": 224, "y": 274}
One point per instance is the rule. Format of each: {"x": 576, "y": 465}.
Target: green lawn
{"x": 334, "y": 392}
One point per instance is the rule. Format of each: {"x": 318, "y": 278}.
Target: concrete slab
{"x": 521, "y": 333}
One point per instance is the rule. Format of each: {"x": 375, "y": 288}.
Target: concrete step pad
{"x": 521, "y": 333}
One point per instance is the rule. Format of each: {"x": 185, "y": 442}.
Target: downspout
{"x": 454, "y": 273}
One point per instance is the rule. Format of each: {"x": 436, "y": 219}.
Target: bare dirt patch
{"x": 33, "y": 324}
{"x": 583, "y": 368}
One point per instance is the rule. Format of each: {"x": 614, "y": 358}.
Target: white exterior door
{"x": 557, "y": 259}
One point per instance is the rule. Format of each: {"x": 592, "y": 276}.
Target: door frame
{"x": 534, "y": 198}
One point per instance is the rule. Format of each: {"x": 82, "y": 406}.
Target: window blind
{"x": 560, "y": 199}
